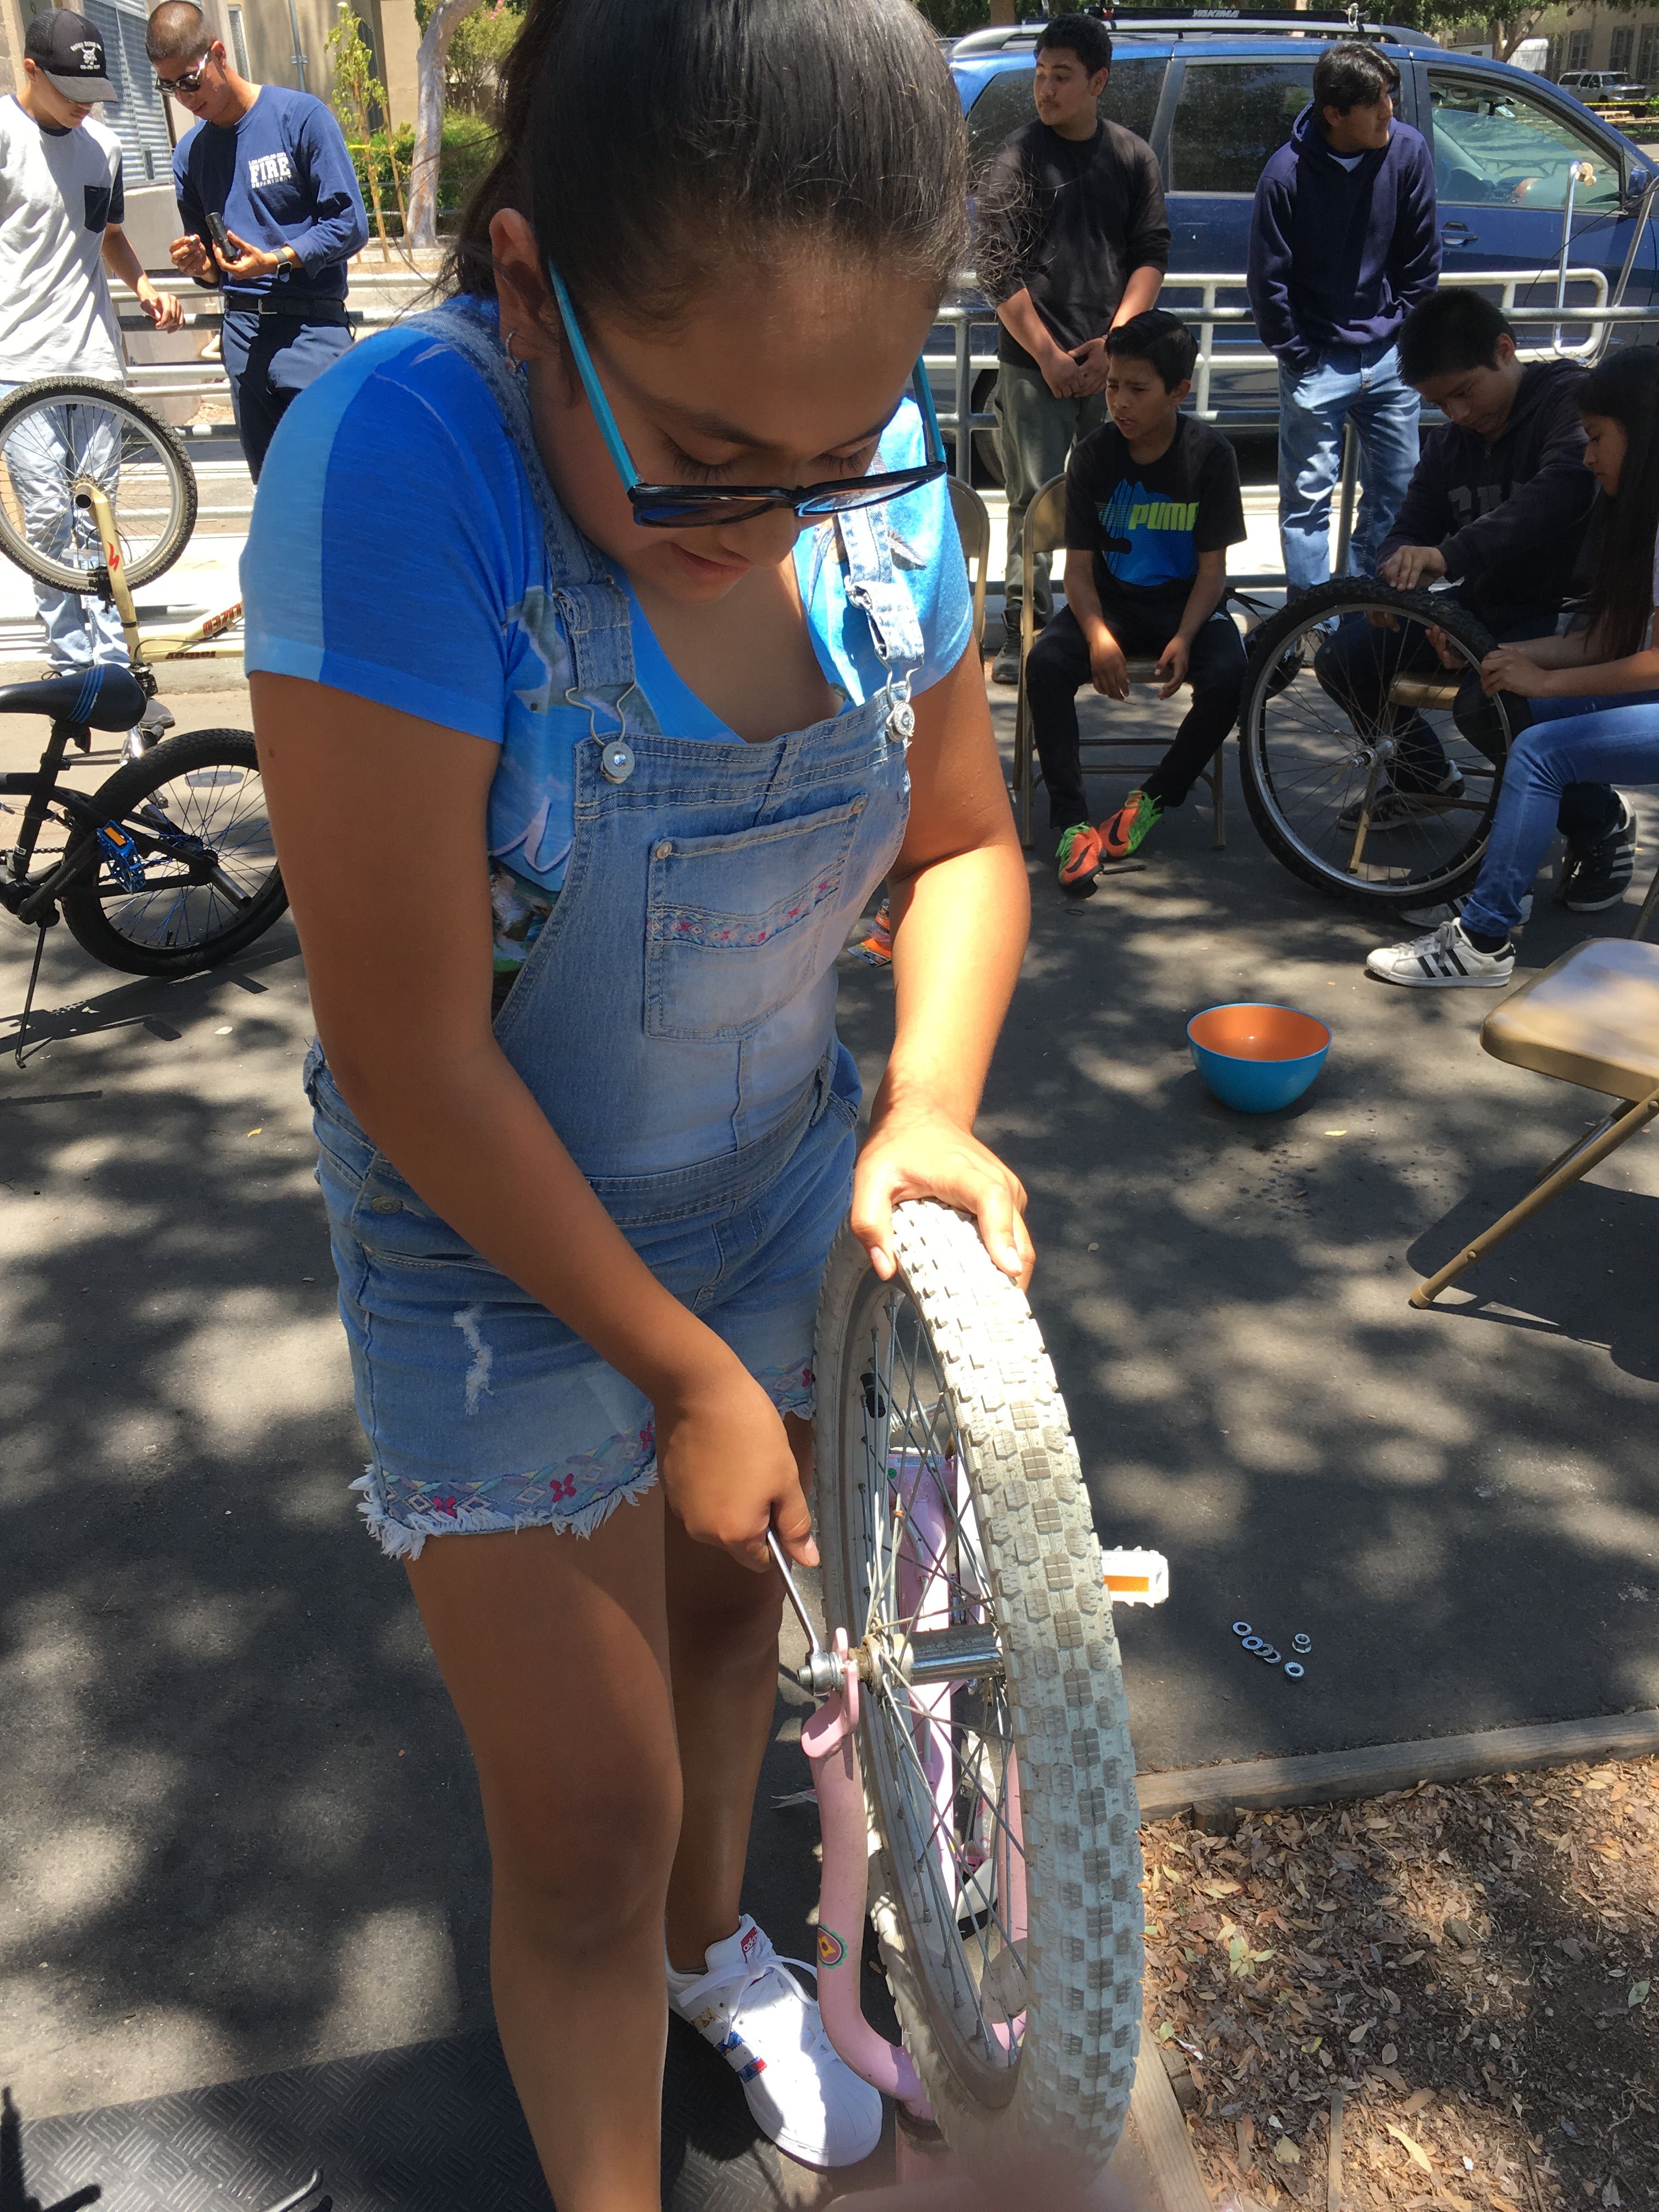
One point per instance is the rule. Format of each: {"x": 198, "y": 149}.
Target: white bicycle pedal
{"x": 1134, "y": 1576}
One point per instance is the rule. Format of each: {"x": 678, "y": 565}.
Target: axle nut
{"x": 1302, "y": 1643}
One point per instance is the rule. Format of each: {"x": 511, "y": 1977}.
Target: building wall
{"x": 1602, "y": 37}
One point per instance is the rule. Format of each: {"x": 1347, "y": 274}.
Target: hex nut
{"x": 1302, "y": 1643}
{"x": 1294, "y": 1669}
{"x": 1243, "y": 1628}
{"x": 1256, "y": 1642}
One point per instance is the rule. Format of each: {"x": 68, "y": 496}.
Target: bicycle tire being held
{"x": 61, "y": 431}
{"x": 186, "y": 874}
{"x": 961, "y": 1562}
{"x": 1367, "y": 774}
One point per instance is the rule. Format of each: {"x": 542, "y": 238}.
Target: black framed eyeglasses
{"x": 698, "y": 507}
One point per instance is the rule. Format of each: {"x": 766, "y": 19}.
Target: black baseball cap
{"x": 69, "y": 54}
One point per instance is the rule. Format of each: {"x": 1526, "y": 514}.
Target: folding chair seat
{"x": 1591, "y": 1018}
{"x": 974, "y": 529}
{"x": 1045, "y": 533}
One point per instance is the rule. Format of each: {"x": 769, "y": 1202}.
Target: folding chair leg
{"x": 1620, "y": 1125}
{"x": 1218, "y": 806}
{"x": 1023, "y": 751}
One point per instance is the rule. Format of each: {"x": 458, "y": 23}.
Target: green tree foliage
{"x": 479, "y": 45}
{"x": 1504, "y": 26}
{"x": 951, "y": 18}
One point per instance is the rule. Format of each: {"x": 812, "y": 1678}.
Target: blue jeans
{"x": 1570, "y": 741}
{"x": 41, "y": 457}
{"x": 1313, "y": 406}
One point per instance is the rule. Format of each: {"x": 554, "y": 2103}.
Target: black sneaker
{"x": 1005, "y": 669}
{"x": 1599, "y": 871}
{"x": 1406, "y": 798}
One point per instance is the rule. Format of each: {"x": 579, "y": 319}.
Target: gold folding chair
{"x": 1592, "y": 1017}
{"x": 974, "y": 528}
{"x": 1045, "y": 533}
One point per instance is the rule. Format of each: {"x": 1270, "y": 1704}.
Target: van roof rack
{"x": 1200, "y": 22}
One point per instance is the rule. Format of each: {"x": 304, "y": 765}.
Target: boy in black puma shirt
{"x": 1152, "y": 503}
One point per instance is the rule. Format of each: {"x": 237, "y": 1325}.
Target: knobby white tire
{"x": 1026, "y": 1530}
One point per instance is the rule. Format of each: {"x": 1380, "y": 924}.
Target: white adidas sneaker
{"x": 801, "y": 2092}
{"x": 1445, "y": 960}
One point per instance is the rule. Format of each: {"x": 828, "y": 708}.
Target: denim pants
{"x": 1343, "y": 384}
{"x": 674, "y": 1022}
{"x": 1593, "y": 742}
{"x": 1035, "y": 433}
{"x": 1059, "y": 666}
{"x": 42, "y": 456}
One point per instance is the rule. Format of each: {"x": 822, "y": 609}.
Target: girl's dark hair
{"x": 1620, "y": 611}
{"x": 652, "y": 143}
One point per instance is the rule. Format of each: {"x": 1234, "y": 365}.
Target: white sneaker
{"x": 800, "y": 2091}
{"x": 1445, "y": 960}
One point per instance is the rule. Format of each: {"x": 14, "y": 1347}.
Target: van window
{"x": 1131, "y": 99}
{"x": 1229, "y": 118}
{"x": 1496, "y": 147}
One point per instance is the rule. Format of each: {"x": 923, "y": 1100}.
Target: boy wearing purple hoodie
{"x": 1343, "y": 246}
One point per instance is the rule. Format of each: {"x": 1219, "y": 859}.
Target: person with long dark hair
{"x": 609, "y": 641}
{"x": 1593, "y": 699}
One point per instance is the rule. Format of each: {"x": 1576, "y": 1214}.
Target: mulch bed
{"x": 1465, "y": 1975}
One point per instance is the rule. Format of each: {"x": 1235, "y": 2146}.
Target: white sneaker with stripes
{"x": 766, "y": 2027}
{"x": 1445, "y": 960}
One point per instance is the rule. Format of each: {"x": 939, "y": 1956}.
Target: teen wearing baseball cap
{"x": 69, "y": 54}
{"x": 61, "y": 205}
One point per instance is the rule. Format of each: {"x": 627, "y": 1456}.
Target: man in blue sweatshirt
{"x": 1343, "y": 246}
{"x": 272, "y": 166}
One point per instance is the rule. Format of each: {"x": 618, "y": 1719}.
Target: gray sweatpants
{"x": 1035, "y": 432}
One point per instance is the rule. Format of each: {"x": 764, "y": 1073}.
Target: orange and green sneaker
{"x": 1077, "y": 857}
{"x": 876, "y": 951}
{"x": 1125, "y": 832}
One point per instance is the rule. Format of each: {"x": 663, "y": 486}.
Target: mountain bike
{"x": 971, "y": 1751}
{"x": 1371, "y": 758}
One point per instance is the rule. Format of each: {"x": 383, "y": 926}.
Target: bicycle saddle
{"x": 104, "y": 698}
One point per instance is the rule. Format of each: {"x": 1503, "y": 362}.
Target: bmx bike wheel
{"x": 1366, "y": 772}
{"x": 57, "y": 433}
{"x": 187, "y": 873}
{"x": 959, "y": 1554}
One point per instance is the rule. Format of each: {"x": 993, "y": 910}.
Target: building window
{"x": 1645, "y": 66}
{"x": 1579, "y": 46}
{"x": 1619, "y": 50}
{"x": 238, "y": 42}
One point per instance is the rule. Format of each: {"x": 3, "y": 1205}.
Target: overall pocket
{"x": 736, "y": 927}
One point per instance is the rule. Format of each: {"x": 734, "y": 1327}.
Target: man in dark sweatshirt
{"x": 1072, "y": 241}
{"x": 1343, "y": 246}
{"x": 1499, "y": 508}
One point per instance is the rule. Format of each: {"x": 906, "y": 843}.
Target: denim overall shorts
{"x": 675, "y": 1022}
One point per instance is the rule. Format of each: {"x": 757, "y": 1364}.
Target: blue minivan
{"x": 1215, "y": 91}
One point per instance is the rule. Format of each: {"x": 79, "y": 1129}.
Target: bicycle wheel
{"x": 960, "y": 1557}
{"x": 1370, "y": 768}
{"x": 59, "y": 433}
{"x": 187, "y": 871}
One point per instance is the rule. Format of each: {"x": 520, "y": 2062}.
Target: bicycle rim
{"x": 200, "y": 879}
{"x": 1324, "y": 748}
{"x": 59, "y": 436}
{"x": 943, "y": 1764}
{"x": 960, "y": 1556}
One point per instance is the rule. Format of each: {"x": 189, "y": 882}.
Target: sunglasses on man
{"x": 698, "y": 507}
{"x": 191, "y": 81}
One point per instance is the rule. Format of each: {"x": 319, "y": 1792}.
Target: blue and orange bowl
{"x": 1257, "y": 1059}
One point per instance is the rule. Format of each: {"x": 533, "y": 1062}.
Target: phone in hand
{"x": 221, "y": 236}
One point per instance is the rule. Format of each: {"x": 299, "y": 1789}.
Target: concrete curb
{"x": 1260, "y": 1784}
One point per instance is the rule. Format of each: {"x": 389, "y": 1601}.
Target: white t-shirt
{"x": 59, "y": 188}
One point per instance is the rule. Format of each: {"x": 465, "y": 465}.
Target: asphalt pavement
{"x": 241, "y": 1833}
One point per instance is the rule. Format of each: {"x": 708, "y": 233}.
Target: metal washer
{"x": 1243, "y": 1628}
{"x": 1256, "y": 1642}
{"x": 1294, "y": 1669}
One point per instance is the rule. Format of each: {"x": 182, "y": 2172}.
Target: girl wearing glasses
{"x": 609, "y": 642}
